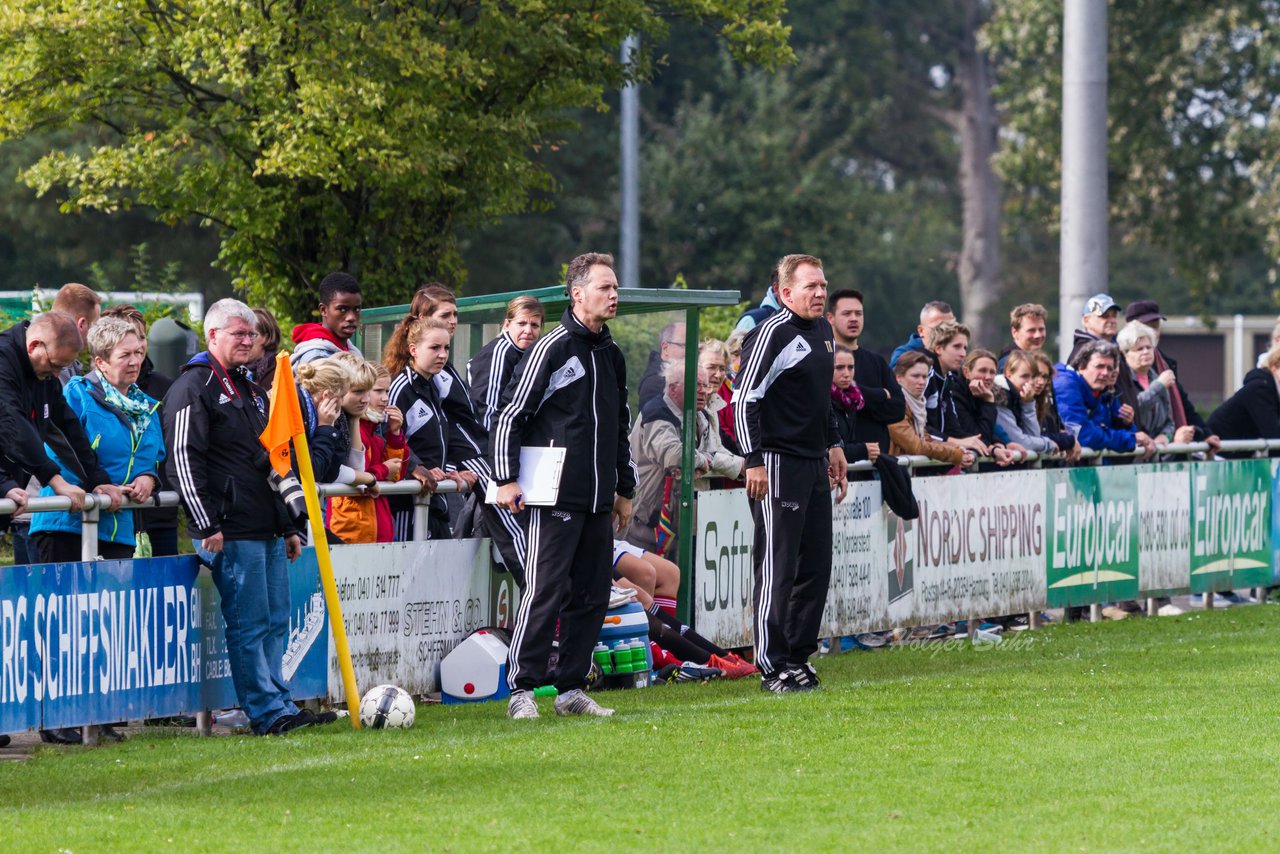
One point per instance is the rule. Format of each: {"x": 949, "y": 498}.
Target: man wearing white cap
{"x": 1101, "y": 321}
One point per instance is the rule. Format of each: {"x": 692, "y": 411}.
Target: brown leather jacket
{"x": 904, "y": 441}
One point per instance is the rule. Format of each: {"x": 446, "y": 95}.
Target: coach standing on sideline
{"x": 569, "y": 391}
{"x": 794, "y": 459}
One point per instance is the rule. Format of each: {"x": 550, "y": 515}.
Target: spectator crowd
{"x": 83, "y": 410}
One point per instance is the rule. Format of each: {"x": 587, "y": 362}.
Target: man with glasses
{"x": 32, "y": 412}
{"x": 340, "y": 305}
{"x": 213, "y": 415}
{"x": 671, "y": 345}
{"x": 32, "y": 354}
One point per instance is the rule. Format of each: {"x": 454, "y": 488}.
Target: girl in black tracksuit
{"x": 426, "y": 425}
{"x": 489, "y": 370}
{"x": 784, "y": 423}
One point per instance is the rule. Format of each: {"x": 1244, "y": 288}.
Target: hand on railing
{"x": 62, "y": 488}
{"x": 114, "y": 495}
{"x": 1210, "y": 446}
{"x": 19, "y": 497}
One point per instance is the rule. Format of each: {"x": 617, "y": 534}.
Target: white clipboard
{"x": 539, "y": 479}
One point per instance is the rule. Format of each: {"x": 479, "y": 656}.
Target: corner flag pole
{"x": 284, "y": 394}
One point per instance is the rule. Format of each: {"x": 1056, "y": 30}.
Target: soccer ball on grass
{"x": 387, "y": 707}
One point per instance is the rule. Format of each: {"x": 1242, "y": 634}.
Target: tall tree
{"x": 978, "y": 126}
{"x": 326, "y": 133}
{"x": 1192, "y": 141}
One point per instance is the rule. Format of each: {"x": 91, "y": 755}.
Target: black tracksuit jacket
{"x": 789, "y": 360}
{"x": 214, "y": 457}
{"x": 570, "y": 391}
{"x": 488, "y": 372}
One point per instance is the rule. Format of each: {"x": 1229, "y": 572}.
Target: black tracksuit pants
{"x": 792, "y": 561}
{"x": 568, "y": 570}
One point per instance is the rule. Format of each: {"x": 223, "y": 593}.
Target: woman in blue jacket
{"x": 123, "y": 426}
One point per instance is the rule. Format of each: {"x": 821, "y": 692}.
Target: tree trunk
{"x": 979, "y": 265}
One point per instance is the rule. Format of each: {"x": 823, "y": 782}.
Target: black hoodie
{"x": 30, "y": 409}
{"x": 1253, "y": 412}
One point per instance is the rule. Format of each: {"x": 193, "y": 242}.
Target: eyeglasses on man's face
{"x": 55, "y": 365}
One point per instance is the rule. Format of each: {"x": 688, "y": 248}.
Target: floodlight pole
{"x": 629, "y": 251}
{"x": 1083, "y": 270}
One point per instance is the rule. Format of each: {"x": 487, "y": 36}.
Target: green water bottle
{"x": 639, "y": 661}
{"x": 602, "y": 657}
{"x": 621, "y": 657}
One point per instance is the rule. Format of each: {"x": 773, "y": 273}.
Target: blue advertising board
{"x": 85, "y": 643}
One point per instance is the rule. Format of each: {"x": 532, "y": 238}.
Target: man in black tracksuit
{"x": 794, "y": 459}
{"x": 570, "y": 391}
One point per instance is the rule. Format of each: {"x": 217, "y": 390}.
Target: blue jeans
{"x": 252, "y": 577}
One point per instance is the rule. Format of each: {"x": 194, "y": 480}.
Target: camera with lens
{"x": 290, "y": 489}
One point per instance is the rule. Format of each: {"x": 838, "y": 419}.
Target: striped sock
{"x": 666, "y": 604}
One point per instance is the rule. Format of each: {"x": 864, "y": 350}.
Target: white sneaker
{"x": 619, "y": 596}
{"x": 576, "y": 702}
{"x": 522, "y": 706}
{"x": 1170, "y": 610}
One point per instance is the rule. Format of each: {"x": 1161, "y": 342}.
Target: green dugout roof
{"x": 490, "y": 308}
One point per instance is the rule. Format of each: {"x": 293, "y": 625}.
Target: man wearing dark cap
{"x": 1184, "y": 411}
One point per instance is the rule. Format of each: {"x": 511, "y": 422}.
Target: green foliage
{"x": 39, "y": 244}
{"x": 842, "y": 155}
{"x": 717, "y": 321}
{"x": 329, "y": 134}
{"x": 1192, "y": 156}
{"x": 143, "y": 277}
{"x": 791, "y": 178}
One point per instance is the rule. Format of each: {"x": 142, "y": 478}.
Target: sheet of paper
{"x": 539, "y": 478}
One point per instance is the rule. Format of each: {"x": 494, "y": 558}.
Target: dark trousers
{"x": 508, "y": 536}
{"x": 164, "y": 541}
{"x": 24, "y": 551}
{"x": 792, "y": 561}
{"x": 568, "y": 570}
{"x": 60, "y": 547}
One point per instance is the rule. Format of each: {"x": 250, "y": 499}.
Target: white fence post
{"x": 89, "y": 552}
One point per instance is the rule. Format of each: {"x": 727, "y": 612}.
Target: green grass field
{"x": 1151, "y": 733}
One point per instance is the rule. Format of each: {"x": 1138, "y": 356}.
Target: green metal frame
{"x": 474, "y": 312}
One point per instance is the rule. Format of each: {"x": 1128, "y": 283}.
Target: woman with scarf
{"x": 846, "y": 400}
{"x": 910, "y": 436}
{"x": 1155, "y": 389}
{"x": 122, "y": 425}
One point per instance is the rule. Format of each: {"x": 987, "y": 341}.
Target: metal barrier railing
{"x": 94, "y": 505}
{"x": 1092, "y": 457}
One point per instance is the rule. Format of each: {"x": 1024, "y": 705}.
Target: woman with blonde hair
{"x": 322, "y": 385}
{"x": 378, "y": 437}
{"x": 1016, "y": 417}
{"x": 713, "y": 357}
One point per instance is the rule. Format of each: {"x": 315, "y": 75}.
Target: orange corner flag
{"x": 285, "y": 420}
